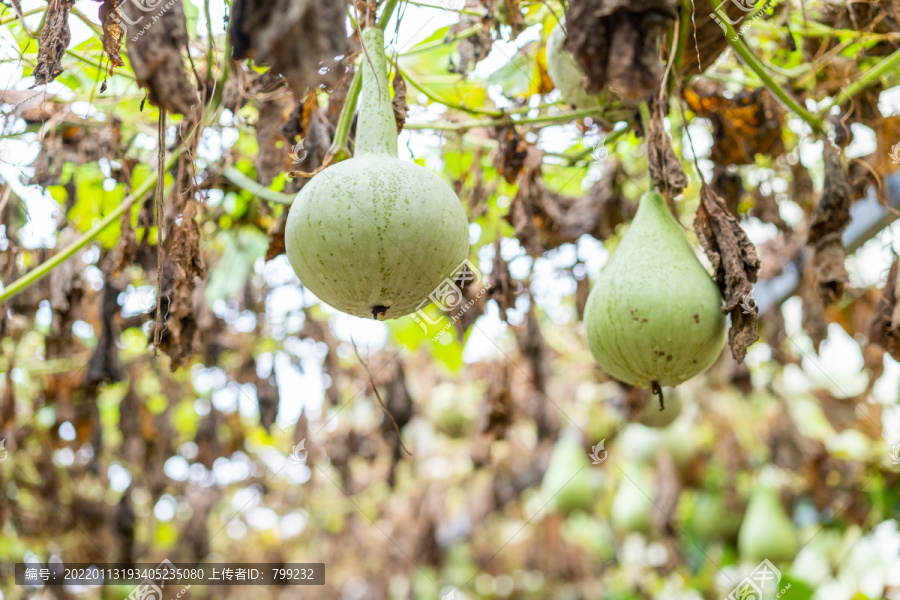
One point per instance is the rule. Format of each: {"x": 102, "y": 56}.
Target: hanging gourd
{"x": 374, "y": 236}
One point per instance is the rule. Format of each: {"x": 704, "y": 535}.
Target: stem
{"x": 234, "y": 175}
{"x": 461, "y": 11}
{"x": 434, "y": 97}
{"x": 546, "y": 119}
{"x": 434, "y": 45}
{"x": 338, "y": 148}
{"x": 44, "y": 269}
{"x": 684, "y": 29}
{"x": 15, "y": 17}
{"x": 755, "y": 65}
{"x": 869, "y": 77}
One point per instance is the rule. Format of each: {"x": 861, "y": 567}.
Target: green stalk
{"x": 14, "y": 17}
{"x": 543, "y": 120}
{"x": 60, "y": 257}
{"x": 434, "y": 97}
{"x": 869, "y": 77}
{"x": 753, "y": 62}
{"x": 338, "y": 149}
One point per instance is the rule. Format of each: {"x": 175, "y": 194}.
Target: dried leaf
{"x": 736, "y": 266}
{"x": 616, "y": 43}
{"x": 472, "y": 48}
{"x": 747, "y": 124}
{"x": 295, "y": 37}
{"x": 510, "y": 157}
{"x": 54, "y": 40}
{"x": 273, "y": 147}
{"x": 884, "y": 330}
{"x": 399, "y": 102}
{"x": 827, "y": 223}
{"x": 113, "y": 33}
{"x": 155, "y": 41}
{"x": 666, "y": 172}
{"x": 705, "y": 39}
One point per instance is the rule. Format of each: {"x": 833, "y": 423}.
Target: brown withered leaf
{"x": 276, "y": 237}
{"x": 765, "y": 208}
{"x": 813, "y": 320}
{"x": 113, "y": 34}
{"x": 728, "y": 185}
{"x": 616, "y": 43}
{"x": 472, "y": 48}
{"x": 295, "y": 38}
{"x": 510, "y": 157}
{"x": 53, "y": 42}
{"x": 156, "y": 55}
{"x": 183, "y": 267}
{"x": 736, "y": 264}
{"x": 745, "y": 125}
{"x": 503, "y": 286}
{"x": 399, "y": 101}
{"x": 273, "y": 147}
{"x": 705, "y": 35}
{"x": 884, "y": 330}
{"x": 851, "y": 413}
{"x": 104, "y": 364}
{"x": 544, "y": 220}
{"x": 666, "y": 172}
{"x": 827, "y": 223}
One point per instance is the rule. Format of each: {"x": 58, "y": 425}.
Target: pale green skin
{"x": 564, "y": 72}
{"x": 766, "y": 532}
{"x": 653, "y": 316}
{"x": 566, "y": 479}
{"x": 632, "y": 506}
{"x": 374, "y": 236}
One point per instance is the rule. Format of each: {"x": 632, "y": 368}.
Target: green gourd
{"x": 632, "y": 506}
{"x": 375, "y": 236}
{"x": 653, "y": 317}
{"x": 710, "y": 518}
{"x": 567, "y": 478}
{"x": 766, "y": 531}
{"x": 564, "y": 72}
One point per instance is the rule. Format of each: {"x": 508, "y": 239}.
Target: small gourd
{"x": 375, "y": 236}
{"x": 766, "y": 531}
{"x": 564, "y": 72}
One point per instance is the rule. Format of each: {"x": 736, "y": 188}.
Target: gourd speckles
{"x": 653, "y": 317}
{"x": 374, "y": 236}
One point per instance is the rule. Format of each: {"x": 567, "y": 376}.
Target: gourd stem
{"x": 376, "y": 128}
{"x": 342, "y": 129}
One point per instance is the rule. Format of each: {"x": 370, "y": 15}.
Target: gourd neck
{"x": 376, "y": 128}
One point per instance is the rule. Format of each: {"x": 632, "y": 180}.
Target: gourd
{"x": 633, "y": 504}
{"x": 650, "y": 416}
{"x": 653, "y": 317}
{"x": 766, "y": 531}
{"x": 564, "y": 72}
{"x": 567, "y": 478}
{"x": 710, "y": 517}
{"x": 374, "y": 236}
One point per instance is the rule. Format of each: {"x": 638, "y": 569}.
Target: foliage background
{"x": 115, "y": 455}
